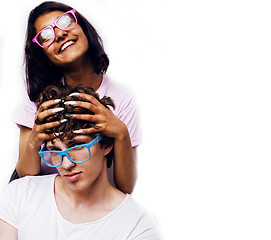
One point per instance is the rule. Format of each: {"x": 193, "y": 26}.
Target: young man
{"x": 80, "y": 202}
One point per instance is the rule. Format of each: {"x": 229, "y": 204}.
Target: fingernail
{"x": 55, "y": 110}
{"x": 70, "y": 115}
{"x": 62, "y": 121}
{"x": 74, "y": 94}
{"x": 77, "y": 131}
{"x": 70, "y": 103}
{"x": 57, "y": 100}
{"x": 58, "y": 134}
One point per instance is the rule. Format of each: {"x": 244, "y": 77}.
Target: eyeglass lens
{"x": 65, "y": 22}
{"x": 78, "y": 155}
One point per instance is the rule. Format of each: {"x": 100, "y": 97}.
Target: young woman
{"x": 62, "y": 49}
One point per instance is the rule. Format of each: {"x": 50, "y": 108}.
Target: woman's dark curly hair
{"x": 40, "y": 72}
{"x": 65, "y": 131}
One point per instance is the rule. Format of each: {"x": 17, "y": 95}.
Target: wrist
{"x": 33, "y": 145}
{"x": 123, "y": 133}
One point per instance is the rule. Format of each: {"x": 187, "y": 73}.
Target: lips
{"x": 72, "y": 177}
{"x": 65, "y": 45}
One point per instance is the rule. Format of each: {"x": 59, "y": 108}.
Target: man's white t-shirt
{"x": 29, "y": 205}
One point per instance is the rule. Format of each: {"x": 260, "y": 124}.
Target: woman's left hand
{"x": 105, "y": 120}
{"x": 125, "y": 171}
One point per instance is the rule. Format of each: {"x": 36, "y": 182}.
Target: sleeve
{"x": 129, "y": 115}
{"x": 9, "y": 209}
{"x": 25, "y": 111}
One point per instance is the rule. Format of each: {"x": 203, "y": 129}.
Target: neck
{"x": 99, "y": 192}
{"x": 90, "y": 204}
{"x": 83, "y": 74}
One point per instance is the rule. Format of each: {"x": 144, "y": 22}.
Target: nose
{"x": 67, "y": 164}
{"x": 60, "y": 35}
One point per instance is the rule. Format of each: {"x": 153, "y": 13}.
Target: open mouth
{"x": 66, "y": 45}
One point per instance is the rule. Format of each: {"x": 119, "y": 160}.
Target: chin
{"x": 80, "y": 185}
{"x": 69, "y": 57}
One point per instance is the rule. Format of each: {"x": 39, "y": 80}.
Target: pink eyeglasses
{"x": 65, "y": 22}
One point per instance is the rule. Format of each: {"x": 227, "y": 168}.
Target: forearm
{"x": 7, "y": 232}
{"x": 125, "y": 173}
{"x": 29, "y": 162}
{"x": 125, "y": 170}
{"x": 32, "y": 139}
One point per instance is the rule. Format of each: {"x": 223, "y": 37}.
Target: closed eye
{"x": 75, "y": 144}
{"x": 53, "y": 149}
{"x": 71, "y": 144}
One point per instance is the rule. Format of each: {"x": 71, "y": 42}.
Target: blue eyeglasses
{"x": 76, "y": 154}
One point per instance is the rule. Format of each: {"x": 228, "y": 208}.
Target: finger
{"x": 48, "y": 104}
{"x": 87, "y": 131}
{"x": 45, "y": 136}
{"x": 41, "y": 129}
{"x": 88, "y": 97}
{"x": 86, "y": 117}
{"x": 50, "y": 136}
{"x": 87, "y": 105}
{"x": 52, "y": 124}
{"x": 42, "y": 115}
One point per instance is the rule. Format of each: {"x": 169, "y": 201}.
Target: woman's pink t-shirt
{"x": 125, "y": 109}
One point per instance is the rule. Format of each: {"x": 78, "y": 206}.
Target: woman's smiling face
{"x": 68, "y": 46}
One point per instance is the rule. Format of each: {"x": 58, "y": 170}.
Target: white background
{"x": 201, "y": 74}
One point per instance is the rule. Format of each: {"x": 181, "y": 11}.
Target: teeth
{"x": 65, "y": 45}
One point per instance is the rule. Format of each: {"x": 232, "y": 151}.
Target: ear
{"x": 108, "y": 149}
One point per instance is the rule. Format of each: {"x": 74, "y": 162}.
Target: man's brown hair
{"x": 65, "y": 131}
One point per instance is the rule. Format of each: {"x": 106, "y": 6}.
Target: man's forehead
{"x": 78, "y": 138}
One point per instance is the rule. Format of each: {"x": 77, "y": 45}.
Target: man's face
{"x": 80, "y": 177}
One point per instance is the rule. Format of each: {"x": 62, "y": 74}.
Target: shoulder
{"x": 32, "y": 191}
{"x": 32, "y": 180}
{"x": 25, "y": 111}
{"x": 118, "y": 92}
{"x": 123, "y": 97}
{"x": 126, "y": 108}
{"x": 23, "y": 198}
{"x": 30, "y": 186}
{"x": 145, "y": 225}
{"x": 137, "y": 210}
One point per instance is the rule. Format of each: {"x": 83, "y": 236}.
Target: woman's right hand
{"x": 31, "y": 140}
{"x": 38, "y": 135}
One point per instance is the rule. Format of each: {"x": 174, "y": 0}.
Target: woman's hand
{"x": 105, "y": 120}
{"x": 38, "y": 135}
{"x": 31, "y": 140}
{"x": 125, "y": 170}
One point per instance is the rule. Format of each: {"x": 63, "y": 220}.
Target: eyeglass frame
{"x": 52, "y": 26}
{"x": 65, "y": 152}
